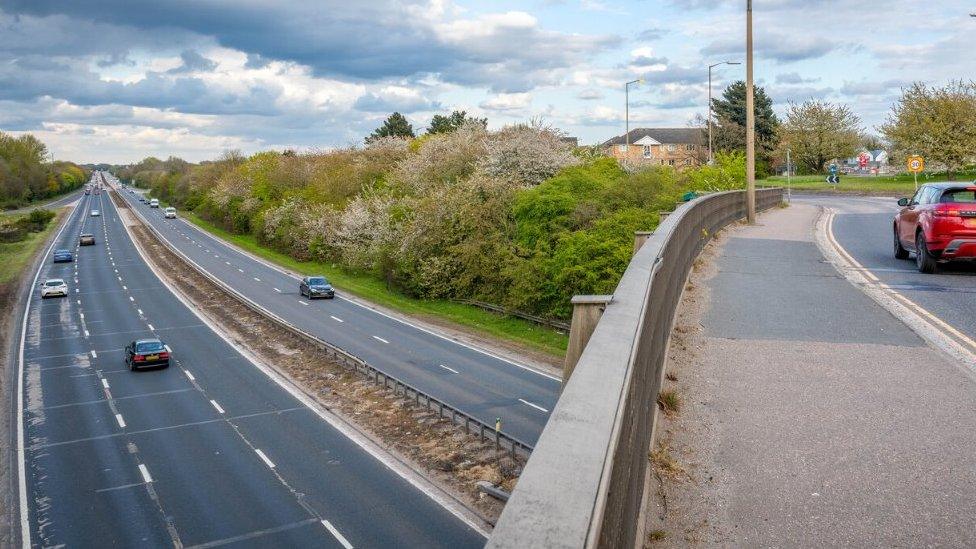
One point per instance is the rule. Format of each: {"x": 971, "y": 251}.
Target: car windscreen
{"x": 54, "y": 283}
{"x": 61, "y": 252}
{"x": 149, "y": 347}
{"x": 954, "y": 196}
{"x": 317, "y": 281}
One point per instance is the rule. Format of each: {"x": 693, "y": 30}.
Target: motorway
{"x": 211, "y": 451}
{"x": 481, "y": 384}
{"x": 863, "y": 227}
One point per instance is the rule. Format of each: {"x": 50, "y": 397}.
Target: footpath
{"x": 810, "y": 415}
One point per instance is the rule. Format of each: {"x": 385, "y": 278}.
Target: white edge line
{"x": 335, "y": 532}
{"x": 25, "y": 536}
{"x": 377, "y": 311}
{"x": 377, "y": 452}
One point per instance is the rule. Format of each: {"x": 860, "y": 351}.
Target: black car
{"x": 145, "y": 353}
{"x": 86, "y": 239}
{"x": 316, "y": 286}
{"x": 63, "y": 256}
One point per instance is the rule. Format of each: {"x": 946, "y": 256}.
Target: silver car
{"x": 54, "y": 287}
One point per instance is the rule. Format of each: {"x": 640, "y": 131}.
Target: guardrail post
{"x": 587, "y": 310}
{"x": 662, "y": 215}
{"x": 640, "y": 237}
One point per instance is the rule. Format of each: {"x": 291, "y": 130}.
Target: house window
{"x": 689, "y": 147}
{"x": 672, "y": 148}
{"x": 647, "y": 151}
{"x": 671, "y": 162}
{"x": 622, "y": 148}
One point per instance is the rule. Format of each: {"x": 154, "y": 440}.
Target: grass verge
{"x": 16, "y": 256}
{"x": 373, "y": 289}
{"x": 881, "y": 185}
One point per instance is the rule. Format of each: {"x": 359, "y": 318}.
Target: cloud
{"x": 794, "y": 78}
{"x": 395, "y": 98}
{"x": 589, "y": 94}
{"x": 651, "y": 34}
{"x": 781, "y": 47}
{"x": 193, "y": 62}
{"x": 507, "y": 102}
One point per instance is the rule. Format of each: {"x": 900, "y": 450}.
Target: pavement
{"x": 482, "y": 384}
{"x": 210, "y": 451}
{"x": 827, "y": 421}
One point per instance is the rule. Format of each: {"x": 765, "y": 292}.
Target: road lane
{"x": 863, "y": 227}
{"x": 158, "y": 463}
{"x": 480, "y": 384}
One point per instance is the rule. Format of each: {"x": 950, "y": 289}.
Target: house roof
{"x": 692, "y": 136}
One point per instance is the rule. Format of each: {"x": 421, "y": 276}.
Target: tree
{"x": 444, "y": 124}
{"x": 872, "y": 142}
{"x": 817, "y": 132}
{"x": 396, "y": 125}
{"x": 729, "y": 134}
{"x": 937, "y": 123}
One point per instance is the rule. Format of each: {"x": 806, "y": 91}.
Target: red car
{"x": 938, "y": 224}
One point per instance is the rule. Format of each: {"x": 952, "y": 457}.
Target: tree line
{"x": 27, "y": 174}
{"x": 937, "y": 122}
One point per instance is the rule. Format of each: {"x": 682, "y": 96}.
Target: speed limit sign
{"x": 916, "y": 163}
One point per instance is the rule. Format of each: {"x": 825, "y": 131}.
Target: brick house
{"x": 678, "y": 147}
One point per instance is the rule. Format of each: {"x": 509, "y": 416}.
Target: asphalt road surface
{"x": 485, "y": 386}
{"x": 863, "y": 227}
{"x": 210, "y": 451}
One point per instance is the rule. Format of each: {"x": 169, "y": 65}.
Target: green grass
{"x": 16, "y": 256}
{"x": 883, "y": 185}
{"x": 373, "y": 289}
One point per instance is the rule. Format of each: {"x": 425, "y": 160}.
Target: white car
{"x": 170, "y": 213}
{"x": 54, "y": 287}
{"x": 154, "y": 203}
{"x": 95, "y": 213}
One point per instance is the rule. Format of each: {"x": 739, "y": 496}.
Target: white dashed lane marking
{"x": 217, "y": 406}
{"x": 452, "y": 370}
{"x": 338, "y": 536}
{"x": 145, "y": 473}
{"x": 94, "y": 355}
{"x": 378, "y": 338}
{"x": 337, "y": 319}
{"x": 536, "y": 406}
{"x": 118, "y": 418}
{"x": 105, "y": 383}
{"x": 189, "y": 375}
{"x": 264, "y": 458}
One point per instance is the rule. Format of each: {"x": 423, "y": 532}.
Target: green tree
{"x": 817, "y": 132}
{"x": 729, "y": 134}
{"x": 444, "y": 124}
{"x": 396, "y": 125}
{"x": 937, "y": 123}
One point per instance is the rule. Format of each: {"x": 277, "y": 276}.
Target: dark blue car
{"x": 63, "y": 256}
{"x": 316, "y": 286}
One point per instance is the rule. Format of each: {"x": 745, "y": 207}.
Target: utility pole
{"x": 789, "y": 177}
{"x": 711, "y": 157}
{"x": 627, "y": 115}
{"x": 750, "y": 124}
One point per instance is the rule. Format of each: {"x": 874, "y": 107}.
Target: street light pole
{"x": 711, "y": 157}
{"x": 627, "y": 115}
{"x": 750, "y": 124}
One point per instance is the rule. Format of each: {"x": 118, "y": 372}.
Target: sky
{"x": 118, "y": 80}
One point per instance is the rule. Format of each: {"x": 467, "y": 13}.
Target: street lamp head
{"x": 733, "y": 62}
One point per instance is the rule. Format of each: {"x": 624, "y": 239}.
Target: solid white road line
{"x": 337, "y": 319}
{"x": 449, "y": 369}
{"x": 536, "y": 406}
{"x": 217, "y": 406}
{"x": 328, "y": 525}
{"x": 118, "y": 417}
{"x": 378, "y": 338}
{"x": 189, "y": 375}
{"x": 264, "y": 458}
{"x": 146, "y": 477}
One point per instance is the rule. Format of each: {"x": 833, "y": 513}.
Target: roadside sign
{"x": 833, "y": 169}
{"x": 863, "y": 159}
{"x": 916, "y": 163}
{"x": 833, "y": 179}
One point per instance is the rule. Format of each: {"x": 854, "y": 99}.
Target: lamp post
{"x": 627, "y": 115}
{"x": 711, "y": 157}
{"x": 750, "y": 124}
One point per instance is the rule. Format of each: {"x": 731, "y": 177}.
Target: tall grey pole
{"x": 750, "y": 124}
{"x": 711, "y": 158}
{"x": 789, "y": 177}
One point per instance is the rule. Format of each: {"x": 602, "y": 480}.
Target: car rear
{"x": 952, "y": 227}
{"x": 86, "y": 239}
{"x": 54, "y": 287}
{"x": 63, "y": 256}
{"x": 149, "y": 353}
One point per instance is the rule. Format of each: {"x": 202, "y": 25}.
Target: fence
{"x": 513, "y": 446}
{"x": 584, "y": 485}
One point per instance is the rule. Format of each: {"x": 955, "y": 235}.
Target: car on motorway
{"x": 154, "y": 203}
{"x": 142, "y": 199}
{"x": 169, "y": 213}
{"x": 146, "y": 353}
{"x": 86, "y": 239}
{"x": 316, "y": 286}
{"x": 54, "y": 287}
{"x": 938, "y": 224}
{"x": 95, "y": 213}
{"x": 63, "y": 256}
